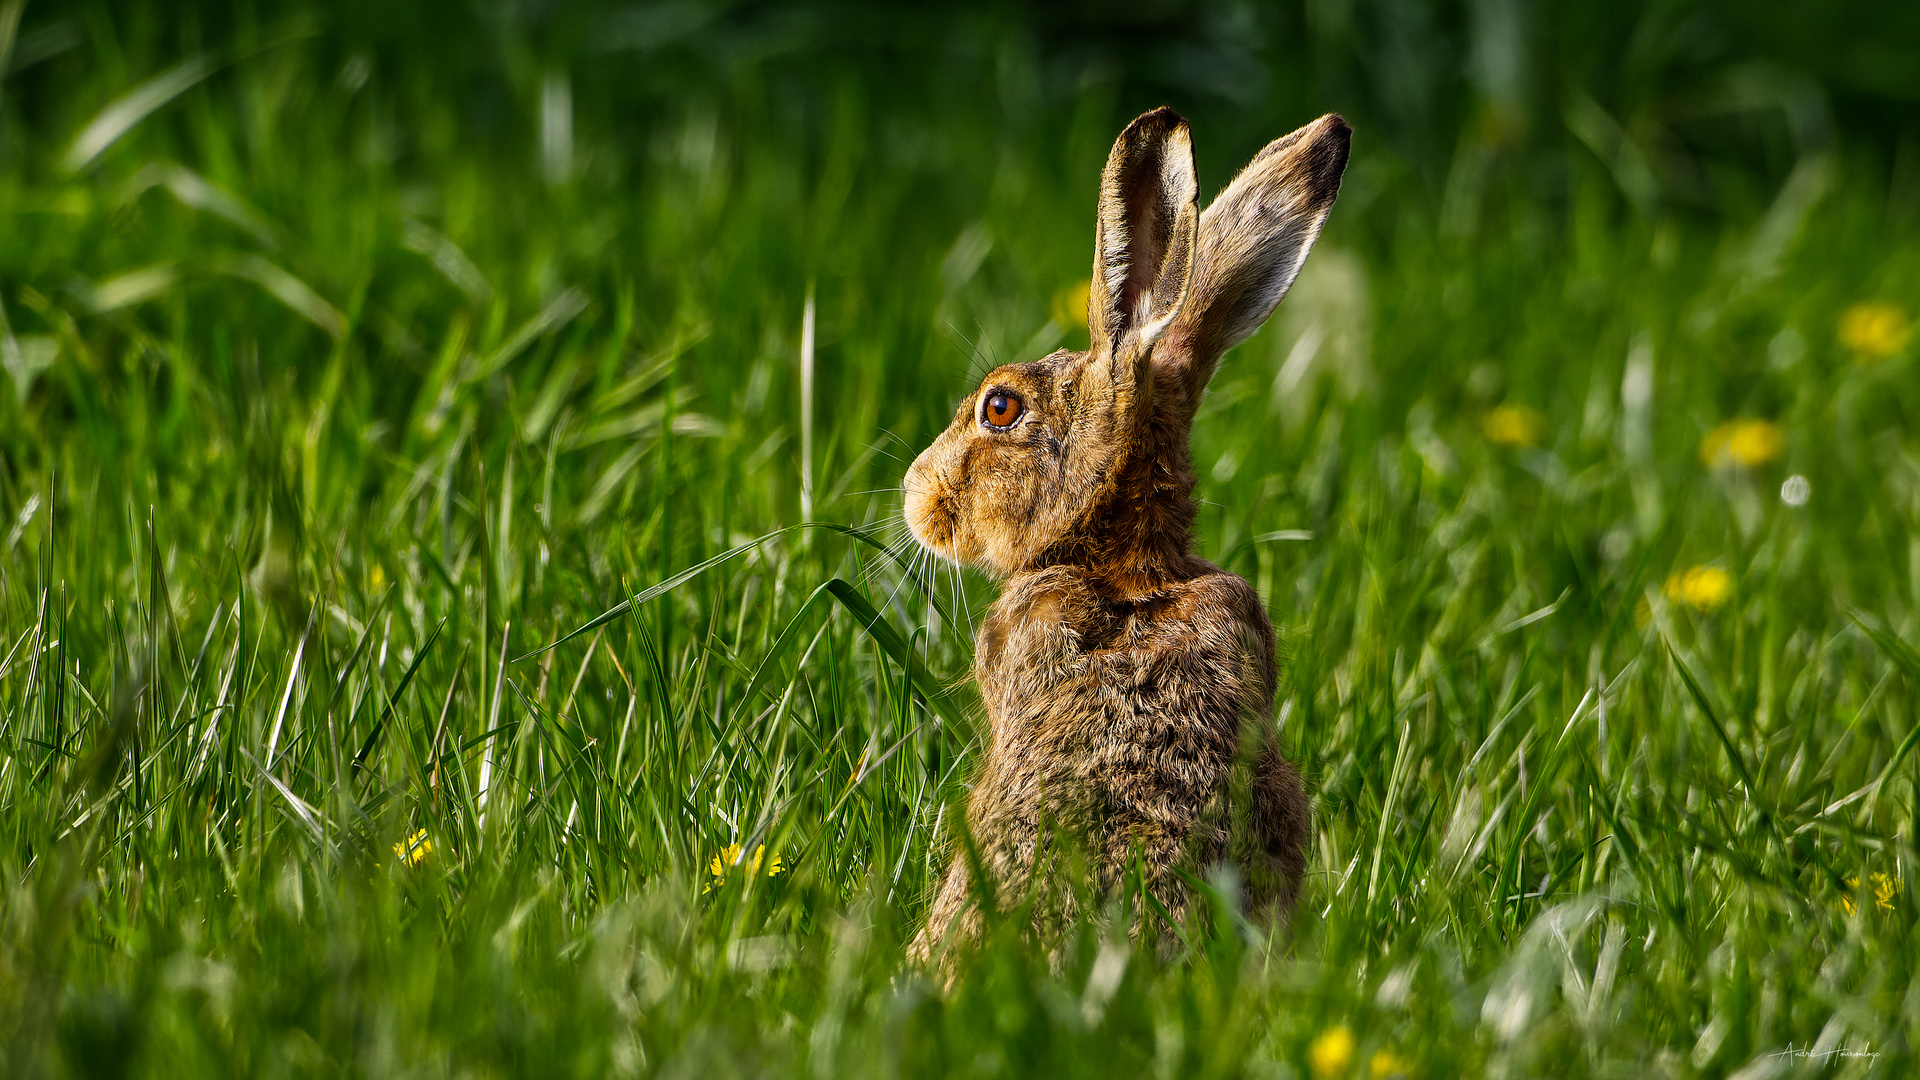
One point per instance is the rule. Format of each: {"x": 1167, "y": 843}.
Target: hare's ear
{"x": 1144, "y": 241}
{"x": 1253, "y": 240}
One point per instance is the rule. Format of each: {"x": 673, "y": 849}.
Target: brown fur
{"x": 1128, "y": 682}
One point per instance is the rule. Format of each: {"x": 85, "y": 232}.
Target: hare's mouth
{"x": 931, "y": 521}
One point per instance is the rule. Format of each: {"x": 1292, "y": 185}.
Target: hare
{"x": 1128, "y": 684}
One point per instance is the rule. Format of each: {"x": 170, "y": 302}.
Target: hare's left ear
{"x": 1254, "y": 238}
{"x": 1144, "y": 242}
{"x": 1142, "y": 265}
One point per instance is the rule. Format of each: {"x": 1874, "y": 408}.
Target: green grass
{"x": 341, "y": 383}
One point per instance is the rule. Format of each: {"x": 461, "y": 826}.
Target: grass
{"x": 351, "y": 365}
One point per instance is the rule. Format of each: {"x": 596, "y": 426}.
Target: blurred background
{"x": 355, "y": 350}
{"x": 338, "y": 202}
{"x": 930, "y": 169}
{"x": 677, "y": 171}
{"x": 325, "y": 266}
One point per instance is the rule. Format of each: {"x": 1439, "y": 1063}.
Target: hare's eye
{"x": 1000, "y": 410}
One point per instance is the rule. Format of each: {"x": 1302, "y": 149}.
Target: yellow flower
{"x": 730, "y": 856}
{"x": 1331, "y": 1052}
{"x": 414, "y": 849}
{"x": 1514, "y": 425}
{"x": 1742, "y": 442}
{"x": 1874, "y": 330}
{"x": 1387, "y": 1064}
{"x": 1703, "y": 587}
{"x": 379, "y": 576}
{"x": 1069, "y": 308}
{"x": 1883, "y": 891}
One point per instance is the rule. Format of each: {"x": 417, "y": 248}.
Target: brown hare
{"x": 1128, "y": 683}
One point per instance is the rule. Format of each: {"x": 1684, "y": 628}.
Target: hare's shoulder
{"x": 1208, "y": 644}
{"x": 1071, "y": 609}
{"x": 1042, "y": 628}
{"x": 1211, "y": 603}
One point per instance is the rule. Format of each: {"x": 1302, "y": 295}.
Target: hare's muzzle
{"x": 929, "y": 514}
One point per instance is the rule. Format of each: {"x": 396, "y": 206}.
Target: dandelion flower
{"x": 1884, "y": 890}
{"x": 1874, "y": 330}
{"x": 1069, "y": 308}
{"x": 1386, "y": 1064}
{"x": 730, "y": 856}
{"x": 727, "y": 857}
{"x": 1747, "y": 443}
{"x": 1331, "y": 1052}
{"x": 1514, "y": 425}
{"x": 414, "y": 849}
{"x": 1703, "y": 587}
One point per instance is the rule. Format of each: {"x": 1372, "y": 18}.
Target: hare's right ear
{"x": 1144, "y": 242}
{"x": 1254, "y": 238}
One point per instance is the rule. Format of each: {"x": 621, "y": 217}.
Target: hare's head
{"x": 1081, "y": 457}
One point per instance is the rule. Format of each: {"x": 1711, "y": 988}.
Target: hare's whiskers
{"x": 888, "y": 562}
{"x": 958, "y": 590}
{"x": 977, "y": 354}
{"x": 899, "y": 582}
{"x": 889, "y": 433}
{"x": 891, "y": 549}
{"x": 875, "y": 447}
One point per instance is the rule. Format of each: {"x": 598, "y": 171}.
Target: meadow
{"x": 455, "y": 620}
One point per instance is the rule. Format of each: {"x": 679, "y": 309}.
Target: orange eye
{"x": 1001, "y": 409}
